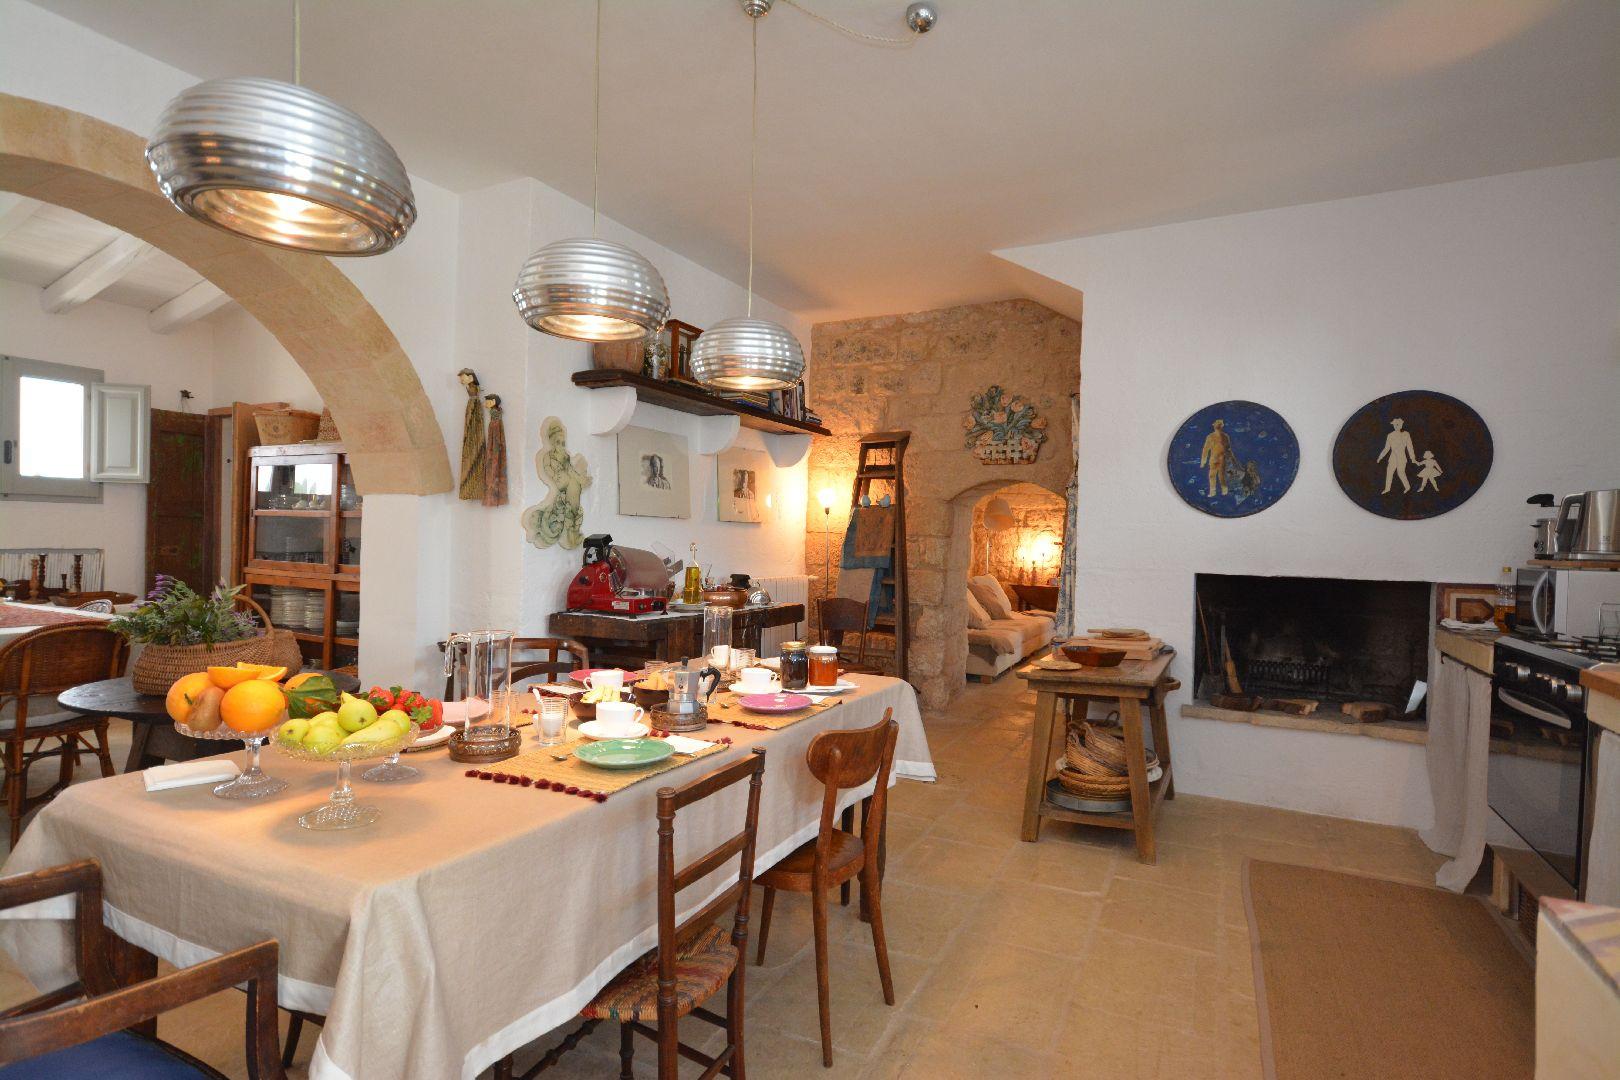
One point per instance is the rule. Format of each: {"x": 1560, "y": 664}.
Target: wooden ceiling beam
{"x": 197, "y": 302}
{"x": 94, "y": 275}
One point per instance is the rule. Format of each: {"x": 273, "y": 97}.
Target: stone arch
{"x": 395, "y": 446}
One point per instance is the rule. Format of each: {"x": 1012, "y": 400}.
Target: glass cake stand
{"x": 253, "y": 783}
{"x": 341, "y": 811}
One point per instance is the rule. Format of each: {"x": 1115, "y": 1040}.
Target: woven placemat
{"x": 724, "y": 709}
{"x": 541, "y": 769}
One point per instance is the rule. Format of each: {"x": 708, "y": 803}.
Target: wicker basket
{"x": 279, "y": 427}
{"x": 1077, "y": 758}
{"x": 1106, "y": 748}
{"x": 1094, "y": 787}
{"x": 158, "y": 666}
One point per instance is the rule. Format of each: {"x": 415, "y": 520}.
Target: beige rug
{"x": 1360, "y": 977}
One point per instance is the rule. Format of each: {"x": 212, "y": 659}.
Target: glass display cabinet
{"x": 303, "y": 544}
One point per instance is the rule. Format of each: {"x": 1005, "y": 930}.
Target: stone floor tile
{"x": 1161, "y": 913}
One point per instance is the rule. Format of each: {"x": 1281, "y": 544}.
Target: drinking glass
{"x": 717, "y": 626}
{"x": 553, "y": 719}
{"x": 742, "y": 658}
{"x": 1609, "y": 621}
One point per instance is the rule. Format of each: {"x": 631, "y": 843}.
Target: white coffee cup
{"x": 756, "y": 680}
{"x": 619, "y": 719}
{"x": 602, "y": 677}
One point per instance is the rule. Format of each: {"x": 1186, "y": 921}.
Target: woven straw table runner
{"x": 724, "y": 709}
{"x": 541, "y": 769}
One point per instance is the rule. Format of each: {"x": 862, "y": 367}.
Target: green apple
{"x": 293, "y": 731}
{"x": 355, "y": 713}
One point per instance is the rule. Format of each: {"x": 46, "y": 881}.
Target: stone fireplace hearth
{"x": 1311, "y": 647}
{"x": 919, "y": 372}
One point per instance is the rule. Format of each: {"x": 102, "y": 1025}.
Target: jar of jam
{"x": 795, "y": 665}
{"x": 823, "y": 665}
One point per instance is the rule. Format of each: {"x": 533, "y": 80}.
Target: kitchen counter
{"x": 1603, "y": 695}
{"x": 1471, "y": 648}
{"x": 1577, "y": 991}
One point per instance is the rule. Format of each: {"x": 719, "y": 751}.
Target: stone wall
{"x": 918, "y": 373}
{"x": 1028, "y": 551}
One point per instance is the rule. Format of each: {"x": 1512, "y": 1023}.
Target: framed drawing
{"x": 1412, "y": 455}
{"x": 1233, "y": 459}
{"x": 653, "y": 474}
{"x": 740, "y": 474}
{"x": 1465, "y": 603}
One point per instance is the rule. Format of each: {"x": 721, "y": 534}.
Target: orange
{"x": 227, "y": 677}
{"x": 255, "y": 705}
{"x": 183, "y": 694}
{"x": 263, "y": 671}
{"x": 300, "y": 679}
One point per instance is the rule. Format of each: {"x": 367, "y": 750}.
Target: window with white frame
{"x": 45, "y": 422}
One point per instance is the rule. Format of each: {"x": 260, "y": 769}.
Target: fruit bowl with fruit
{"x": 241, "y": 703}
{"x": 353, "y": 731}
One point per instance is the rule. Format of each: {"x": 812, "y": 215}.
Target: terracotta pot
{"x": 725, "y": 596}
{"x": 1094, "y": 655}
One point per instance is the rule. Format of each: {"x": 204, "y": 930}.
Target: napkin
{"x": 682, "y": 745}
{"x": 187, "y": 773}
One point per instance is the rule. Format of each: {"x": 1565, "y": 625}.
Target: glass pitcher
{"x": 478, "y": 664}
{"x": 717, "y": 631}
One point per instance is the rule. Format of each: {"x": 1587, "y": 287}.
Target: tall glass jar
{"x": 479, "y": 666}
{"x": 717, "y": 624}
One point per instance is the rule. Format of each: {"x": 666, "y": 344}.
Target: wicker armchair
{"x": 46, "y": 662}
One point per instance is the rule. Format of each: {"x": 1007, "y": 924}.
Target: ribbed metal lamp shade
{"x": 747, "y": 354}
{"x": 591, "y": 290}
{"x": 282, "y": 165}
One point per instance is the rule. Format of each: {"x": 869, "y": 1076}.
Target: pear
{"x": 399, "y": 718}
{"x": 205, "y": 713}
{"x": 355, "y": 713}
{"x": 323, "y": 738}
{"x": 293, "y": 731}
{"x": 373, "y": 733}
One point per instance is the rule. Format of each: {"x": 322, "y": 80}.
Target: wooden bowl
{"x": 1094, "y": 655}
{"x": 583, "y": 710}
{"x": 649, "y": 699}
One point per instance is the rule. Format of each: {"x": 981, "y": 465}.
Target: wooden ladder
{"x": 883, "y": 458}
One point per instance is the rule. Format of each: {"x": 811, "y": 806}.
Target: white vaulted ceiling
{"x": 886, "y": 176}
{"x": 74, "y": 259}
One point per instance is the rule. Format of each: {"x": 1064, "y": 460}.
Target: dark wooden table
{"x": 155, "y": 739}
{"x": 1130, "y": 687}
{"x": 615, "y": 638}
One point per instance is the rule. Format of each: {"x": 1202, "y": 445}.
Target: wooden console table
{"x": 1128, "y": 687}
{"x": 676, "y": 636}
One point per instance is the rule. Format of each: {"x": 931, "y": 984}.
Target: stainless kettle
{"x": 1589, "y": 525}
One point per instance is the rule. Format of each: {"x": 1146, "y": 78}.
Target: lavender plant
{"x": 176, "y": 614}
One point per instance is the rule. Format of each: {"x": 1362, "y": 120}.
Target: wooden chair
{"x": 46, "y": 662}
{"x": 100, "y": 607}
{"x": 694, "y": 958}
{"x": 837, "y": 616}
{"x": 840, "y": 760}
{"x": 80, "y": 1030}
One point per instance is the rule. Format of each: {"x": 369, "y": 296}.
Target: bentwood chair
{"x": 837, "y": 616}
{"x": 46, "y": 662}
{"x": 694, "y": 959}
{"x": 840, "y": 760}
{"x": 83, "y": 1029}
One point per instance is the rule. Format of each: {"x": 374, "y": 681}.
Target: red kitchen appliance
{"x": 619, "y": 580}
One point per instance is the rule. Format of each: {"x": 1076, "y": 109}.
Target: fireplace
{"x": 1310, "y": 645}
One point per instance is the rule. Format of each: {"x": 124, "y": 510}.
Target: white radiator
{"x": 792, "y": 589}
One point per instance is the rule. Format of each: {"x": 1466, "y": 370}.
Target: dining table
{"x": 17, "y": 619}
{"x": 470, "y": 919}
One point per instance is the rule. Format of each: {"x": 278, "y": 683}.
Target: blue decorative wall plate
{"x": 1233, "y": 459}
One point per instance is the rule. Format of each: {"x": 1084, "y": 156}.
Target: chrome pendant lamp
{"x": 749, "y": 353}
{"x": 278, "y": 163}
{"x": 592, "y": 289}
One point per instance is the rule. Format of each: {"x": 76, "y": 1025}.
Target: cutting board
{"x": 1145, "y": 648}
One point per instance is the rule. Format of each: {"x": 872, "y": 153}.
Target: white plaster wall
{"x": 114, "y": 339}
{"x": 250, "y": 365}
{"x": 1501, "y": 291}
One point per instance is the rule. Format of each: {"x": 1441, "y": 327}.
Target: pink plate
{"x": 774, "y": 703}
{"x": 581, "y": 674}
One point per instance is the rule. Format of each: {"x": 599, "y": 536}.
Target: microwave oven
{"x": 1563, "y": 603}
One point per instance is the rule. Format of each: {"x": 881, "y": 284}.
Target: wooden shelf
{"x": 689, "y": 399}
{"x": 293, "y": 513}
{"x": 1577, "y": 564}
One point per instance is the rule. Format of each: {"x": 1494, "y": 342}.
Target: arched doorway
{"x": 395, "y": 446}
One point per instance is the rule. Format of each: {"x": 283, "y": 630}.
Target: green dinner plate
{"x": 624, "y": 753}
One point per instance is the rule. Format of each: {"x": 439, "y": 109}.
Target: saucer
{"x": 774, "y": 703}
{"x": 598, "y": 729}
{"x": 772, "y": 687}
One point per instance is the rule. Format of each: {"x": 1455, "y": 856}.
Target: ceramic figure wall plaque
{"x": 654, "y": 476}
{"x": 739, "y": 476}
{"x": 560, "y": 519}
{"x": 1412, "y": 455}
{"x": 1233, "y": 459}
{"x": 1002, "y": 431}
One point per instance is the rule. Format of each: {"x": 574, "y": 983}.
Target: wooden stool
{"x": 1128, "y": 687}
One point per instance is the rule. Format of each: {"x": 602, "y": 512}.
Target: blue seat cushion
{"x": 120, "y": 1055}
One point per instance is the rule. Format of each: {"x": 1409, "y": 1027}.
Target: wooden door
{"x": 181, "y": 528}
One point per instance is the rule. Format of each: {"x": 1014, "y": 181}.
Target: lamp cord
{"x": 858, "y": 35}
{"x": 753, "y": 162}
{"x": 596, "y": 125}
{"x": 298, "y": 44}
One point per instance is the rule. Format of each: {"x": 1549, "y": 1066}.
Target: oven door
{"x": 1537, "y": 777}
